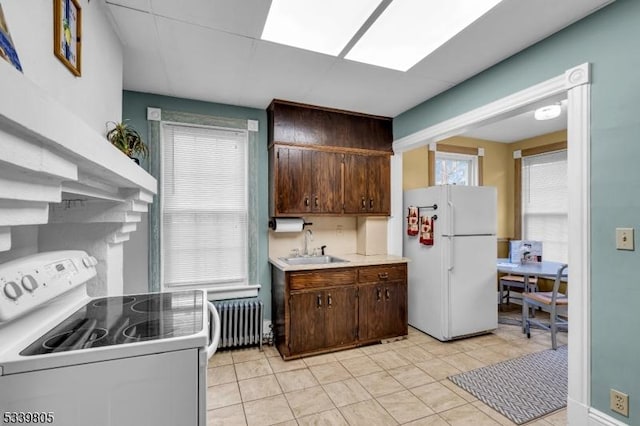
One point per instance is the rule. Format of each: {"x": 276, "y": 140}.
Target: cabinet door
{"x": 293, "y": 182}
{"x": 395, "y": 308}
{"x": 307, "y": 321}
{"x": 355, "y": 183}
{"x": 379, "y": 185}
{"x": 371, "y": 311}
{"x": 341, "y": 317}
{"x": 326, "y": 177}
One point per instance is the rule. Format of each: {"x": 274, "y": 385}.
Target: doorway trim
{"x": 576, "y": 84}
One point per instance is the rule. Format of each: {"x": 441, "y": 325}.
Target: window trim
{"x": 517, "y": 179}
{"x": 155, "y": 118}
{"x": 434, "y": 148}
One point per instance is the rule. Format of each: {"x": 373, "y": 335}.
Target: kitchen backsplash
{"x": 339, "y": 234}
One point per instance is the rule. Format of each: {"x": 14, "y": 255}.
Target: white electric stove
{"x": 69, "y": 359}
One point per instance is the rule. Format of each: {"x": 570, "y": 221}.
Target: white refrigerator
{"x": 452, "y": 283}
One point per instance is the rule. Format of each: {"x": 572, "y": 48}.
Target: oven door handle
{"x": 214, "y": 330}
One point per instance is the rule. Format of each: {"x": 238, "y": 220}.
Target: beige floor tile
{"x": 420, "y": 338}
{"x": 493, "y": 413}
{"x": 467, "y": 345}
{"x": 367, "y": 413}
{"x": 296, "y": 379}
{"x": 415, "y": 353}
{"x": 507, "y": 349}
{"x": 411, "y": 376}
{"x": 278, "y": 365}
{"x": 346, "y": 392}
{"x": 434, "y": 420}
{"x": 463, "y": 362}
{"x": 439, "y": 349}
{"x": 458, "y": 390}
{"x": 220, "y": 358}
{"x": 259, "y": 387}
{"x": 270, "y": 351}
{"x": 378, "y": 384}
{"x": 399, "y": 344}
{"x": 488, "y": 339}
{"x": 329, "y": 373}
{"x": 559, "y": 418}
{"x": 389, "y": 360}
{"x": 361, "y": 366}
{"x": 438, "y": 397}
{"x": 287, "y": 423}
{"x": 309, "y": 401}
{"x": 487, "y": 356}
{"x": 348, "y": 354}
{"x": 223, "y": 395}
{"x": 375, "y": 349}
{"x": 467, "y": 415}
{"x": 221, "y": 375}
{"x": 268, "y": 411}
{"x": 319, "y": 359}
{"x": 227, "y": 416}
{"x": 244, "y": 355}
{"x": 437, "y": 368}
{"x": 404, "y": 406}
{"x": 326, "y": 418}
{"x": 251, "y": 369}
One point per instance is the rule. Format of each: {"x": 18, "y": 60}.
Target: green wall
{"x": 608, "y": 39}
{"x": 135, "y": 110}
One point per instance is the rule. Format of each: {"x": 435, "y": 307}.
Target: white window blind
{"x": 544, "y": 203}
{"x": 204, "y": 206}
{"x": 456, "y": 169}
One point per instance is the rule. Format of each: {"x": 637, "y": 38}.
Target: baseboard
{"x": 579, "y": 414}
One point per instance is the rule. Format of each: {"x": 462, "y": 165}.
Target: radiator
{"x": 240, "y": 322}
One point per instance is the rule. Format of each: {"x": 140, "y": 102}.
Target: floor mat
{"x": 521, "y": 389}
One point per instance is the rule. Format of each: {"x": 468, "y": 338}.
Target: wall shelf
{"x": 49, "y": 155}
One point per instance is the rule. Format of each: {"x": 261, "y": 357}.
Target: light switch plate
{"x": 624, "y": 239}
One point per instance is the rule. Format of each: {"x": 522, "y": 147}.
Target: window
{"x": 204, "y": 206}
{"x": 544, "y": 203}
{"x": 456, "y": 169}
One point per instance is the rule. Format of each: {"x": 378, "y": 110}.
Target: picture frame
{"x": 67, "y": 32}
{"x": 7, "y": 48}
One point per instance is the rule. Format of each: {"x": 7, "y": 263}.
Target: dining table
{"x": 544, "y": 269}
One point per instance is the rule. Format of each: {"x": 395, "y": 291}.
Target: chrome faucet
{"x": 308, "y": 236}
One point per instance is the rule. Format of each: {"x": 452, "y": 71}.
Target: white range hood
{"x": 57, "y": 171}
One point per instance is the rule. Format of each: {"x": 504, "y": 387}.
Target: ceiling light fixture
{"x": 321, "y": 26}
{"x": 548, "y": 112}
{"x": 409, "y": 30}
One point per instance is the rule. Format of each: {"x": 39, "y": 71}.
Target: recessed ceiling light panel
{"x": 409, "y": 30}
{"x": 324, "y": 26}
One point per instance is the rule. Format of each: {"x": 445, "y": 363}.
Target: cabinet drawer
{"x": 321, "y": 278}
{"x": 376, "y": 273}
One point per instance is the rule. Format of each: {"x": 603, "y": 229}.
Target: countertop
{"x": 354, "y": 260}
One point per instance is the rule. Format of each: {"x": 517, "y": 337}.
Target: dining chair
{"x": 553, "y": 302}
{"x": 510, "y": 282}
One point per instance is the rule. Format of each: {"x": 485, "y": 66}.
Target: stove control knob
{"x": 29, "y": 283}
{"x": 12, "y": 290}
{"x": 86, "y": 262}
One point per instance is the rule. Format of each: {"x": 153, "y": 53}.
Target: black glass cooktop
{"x": 125, "y": 319}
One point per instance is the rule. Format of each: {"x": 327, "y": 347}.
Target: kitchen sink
{"x": 312, "y": 260}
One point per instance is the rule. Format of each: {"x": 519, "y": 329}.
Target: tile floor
{"x": 402, "y": 382}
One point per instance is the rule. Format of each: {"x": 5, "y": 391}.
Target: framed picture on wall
{"x": 7, "y": 49}
{"x": 67, "y": 30}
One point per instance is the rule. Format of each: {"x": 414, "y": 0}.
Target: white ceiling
{"x": 211, "y": 50}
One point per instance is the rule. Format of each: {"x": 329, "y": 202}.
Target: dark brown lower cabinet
{"x": 328, "y": 309}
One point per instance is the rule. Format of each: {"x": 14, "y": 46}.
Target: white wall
{"x": 96, "y": 96}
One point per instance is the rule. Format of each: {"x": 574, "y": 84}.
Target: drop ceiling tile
{"x": 245, "y": 17}
{"x": 144, "y": 5}
{"x": 135, "y": 29}
{"x": 144, "y": 71}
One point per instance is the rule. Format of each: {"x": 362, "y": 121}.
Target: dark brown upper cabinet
{"x": 300, "y": 124}
{"x": 367, "y": 183}
{"x": 327, "y": 161}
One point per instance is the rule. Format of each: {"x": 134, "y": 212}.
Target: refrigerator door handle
{"x": 451, "y": 207}
{"x": 450, "y": 268}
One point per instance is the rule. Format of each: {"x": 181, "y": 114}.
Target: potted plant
{"x": 127, "y": 139}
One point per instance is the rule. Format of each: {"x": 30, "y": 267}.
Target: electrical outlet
{"x": 339, "y": 230}
{"x": 619, "y": 402}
